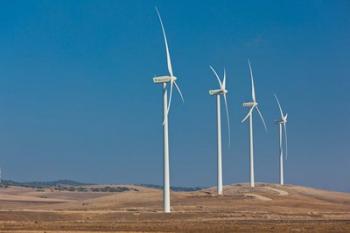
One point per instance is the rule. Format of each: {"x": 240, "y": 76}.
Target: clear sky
{"x": 77, "y": 99}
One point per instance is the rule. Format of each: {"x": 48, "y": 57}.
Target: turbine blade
{"x": 224, "y": 80}
{"x": 262, "y": 118}
{"x": 249, "y": 113}
{"x": 170, "y": 68}
{"x": 279, "y": 106}
{"x": 216, "y": 75}
{"x": 178, "y": 90}
{"x": 228, "y": 121}
{"x": 170, "y": 96}
{"x": 286, "y": 139}
{"x": 252, "y": 79}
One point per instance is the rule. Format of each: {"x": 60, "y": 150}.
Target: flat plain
{"x": 266, "y": 208}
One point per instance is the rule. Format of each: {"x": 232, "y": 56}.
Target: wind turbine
{"x": 252, "y": 105}
{"x": 218, "y": 92}
{"x": 282, "y": 127}
{"x": 164, "y": 80}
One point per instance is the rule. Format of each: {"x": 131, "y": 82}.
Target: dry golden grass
{"x": 266, "y": 208}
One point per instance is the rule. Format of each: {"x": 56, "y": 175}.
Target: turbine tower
{"x": 164, "y": 80}
{"x": 252, "y": 105}
{"x": 282, "y": 122}
{"x": 218, "y": 92}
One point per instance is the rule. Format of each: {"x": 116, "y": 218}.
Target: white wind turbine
{"x": 252, "y": 105}
{"x": 164, "y": 80}
{"x": 282, "y": 127}
{"x": 218, "y": 92}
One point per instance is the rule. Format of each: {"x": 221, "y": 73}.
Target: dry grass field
{"x": 266, "y": 208}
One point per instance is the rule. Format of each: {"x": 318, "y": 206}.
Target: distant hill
{"x": 43, "y": 184}
{"x": 72, "y": 184}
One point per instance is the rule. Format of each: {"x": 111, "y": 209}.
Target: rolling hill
{"x": 266, "y": 208}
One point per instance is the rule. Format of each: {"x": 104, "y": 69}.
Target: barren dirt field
{"x": 266, "y": 208}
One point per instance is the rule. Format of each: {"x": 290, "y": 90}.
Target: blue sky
{"x": 77, "y": 99}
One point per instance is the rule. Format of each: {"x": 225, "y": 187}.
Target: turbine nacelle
{"x": 218, "y": 92}
{"x": 281, "y": 121}
{"x": 250, "y": 104}
{"x": 164, "y": 79}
